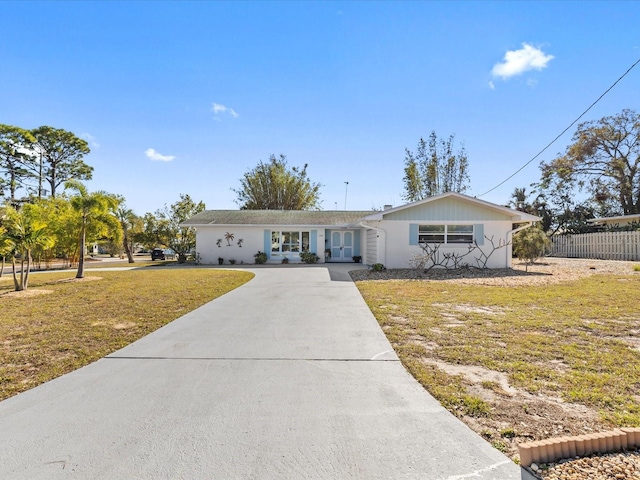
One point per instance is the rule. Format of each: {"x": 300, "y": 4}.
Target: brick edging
{"x": 554, "y": 449}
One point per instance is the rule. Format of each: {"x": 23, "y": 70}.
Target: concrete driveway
{"x": 289, "y": 376}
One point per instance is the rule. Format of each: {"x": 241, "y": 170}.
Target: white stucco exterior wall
{"x": 208, "y": 250}
{"x": 398, "y": 250}
{"x": 253, "y": 242}
{"x": 390, "y": 241}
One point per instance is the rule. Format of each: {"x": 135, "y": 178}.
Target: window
{"x": 431, "y": 234}
{"x": 289, "y": 242}
{"x": 449, "y": 234}
{"x": 275, "y": 241}
{"x": 459, "y": 233}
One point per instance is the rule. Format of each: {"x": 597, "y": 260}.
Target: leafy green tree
{"x": 604, "y": 160}
{"x": 111, "y": 239}
{"x": 63, "y": 223}
{"x": 275, "y": 186}
{"x": 25, "y": 231}
{"x": 112, "y": 243}
{"x": 530, "y": 244}
{"x": 95, "y": 213}
{"x": 6, "y": 247}
{"x": 576, "y": 219}
{"x": 44, "y": 253}
{"x": 167, "y": 226}
{"x": 136, "y": 232}
{"x": 435, "y": 168}
{"x": 522, "y": 201}
{"x": 564, "y": 213}
{"x": 60, "y": 156}
{"x": 15, "y": 161}
{"x": 150, "y": 235}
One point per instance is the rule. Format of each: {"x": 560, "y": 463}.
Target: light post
{"x": 346, "y": 188}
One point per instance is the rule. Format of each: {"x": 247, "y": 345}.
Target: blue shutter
{"x": 313, "y": 242}
{"x": 478, "y": 233}
{"x": 356, "y": 243}
{"x": 267, "y": 243}
{"x": 413, "y": 234}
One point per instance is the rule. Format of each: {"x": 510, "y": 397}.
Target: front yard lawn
{"x": 518, "y": 363}
{"x": 61, "y": 324}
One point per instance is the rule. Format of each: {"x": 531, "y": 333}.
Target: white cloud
{"x": 516, "y": 62}
{"x": 491, "y": 85}
{"x": 153, "y": 155}
{"x": 91, "y": 139}
{"x": 218, "y": 109}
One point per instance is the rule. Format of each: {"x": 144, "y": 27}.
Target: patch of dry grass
{"x": 136, "y": 264}
{"x": 575, "y": 345}
{"x": 77, "y": 322}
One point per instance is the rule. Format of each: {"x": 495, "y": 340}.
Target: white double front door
{"x": 341, "y": 245}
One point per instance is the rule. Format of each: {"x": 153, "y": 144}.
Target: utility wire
{"x": 562, "y": 133}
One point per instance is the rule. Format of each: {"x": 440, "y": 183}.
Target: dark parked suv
{"x": 157, "y": 254}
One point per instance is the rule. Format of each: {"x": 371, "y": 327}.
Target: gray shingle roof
{"x": 276, "y": 217}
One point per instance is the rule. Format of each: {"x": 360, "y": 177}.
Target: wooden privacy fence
{"x": 602, "y": 245}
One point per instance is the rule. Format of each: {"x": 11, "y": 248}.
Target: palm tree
{"x": 95, "y": 210}
{"x": 519, "y": 199}
{"x": 6, "y": 247}
{"x": 126, "y": 218}
{"x": 25, "y": 232}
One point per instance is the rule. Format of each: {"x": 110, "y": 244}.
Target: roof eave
{"x": 491, "y": 206}
{"x": 614, "y": 219}
{"x": 526, "y": 217}
{"x": 279, "y": 225}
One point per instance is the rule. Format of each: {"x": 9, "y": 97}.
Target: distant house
{"x": 620, "y": 221}
{"x": 618, "y": 239}
{"x": 452, "y": 221}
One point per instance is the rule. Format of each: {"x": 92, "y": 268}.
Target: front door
{"x": 341, "y": 245}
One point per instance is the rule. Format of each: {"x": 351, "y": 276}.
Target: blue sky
{"x": 185, "y": 97}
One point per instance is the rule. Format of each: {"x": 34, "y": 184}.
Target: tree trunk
{"x": 80, "y": 273}
{"x": 2, "y": 267}
{"x": 16, "y": 285}
{"x": 52, "y": 180}
{"x": 25, "y": 283}
{"x": 12, "y": 187}
{"x": 127, "y": 249}
{"x": 22, "y": 272}
{"x": 40, "y": 179}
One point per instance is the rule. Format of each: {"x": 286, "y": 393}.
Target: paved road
{"x": 286, "y": 377}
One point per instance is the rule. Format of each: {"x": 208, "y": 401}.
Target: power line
{"x": 562, "y": 133}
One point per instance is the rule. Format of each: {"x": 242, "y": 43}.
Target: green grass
{"x": 44, "y": 336}
{"x": 573, "y": 340}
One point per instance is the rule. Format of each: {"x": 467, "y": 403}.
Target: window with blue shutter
{"x": 413, "y": 234}
{"x": 313, "y": 244}
{"x": 478, "y": 232}
{"x": 267, "y": 243}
